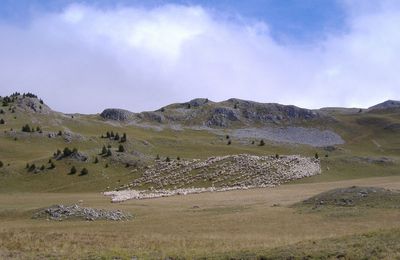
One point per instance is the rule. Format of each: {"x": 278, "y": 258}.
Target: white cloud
{"x": 85, "y": 59}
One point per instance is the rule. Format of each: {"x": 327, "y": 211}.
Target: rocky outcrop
{"x": 61, "y": 212}
{"x": 389, "y": 104}
{"x": 232, "y": 112}
{"x": 117, "y": 114}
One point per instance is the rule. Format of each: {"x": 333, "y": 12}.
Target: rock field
{"x": 216, "y": 174}
{"x": 61, "y": 212}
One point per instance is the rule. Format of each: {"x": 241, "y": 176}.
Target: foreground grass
{"x": 237, "y": 224}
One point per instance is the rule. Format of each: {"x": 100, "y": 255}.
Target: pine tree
{"x": 116, "y": 138}
{"x": 112, "y": 134}
{"x": 158, "y": 157}
{"x": 229, "y": 142}
{"x": 104, "y": 150}
{"x": 52, "y": 165}
{"x": 96, "y": 160}
{"x": 108, "y": 134}
{"x": 42, "y": 168}
{"x": 277, "y": 156}
{"x": 2, "y": 122}
{"x": 1, "y": 164}
{"x": 262, "y": 143}
{"x": 121, "y": 148}
{"x": 167, "y": 159}
{"x": 316, "y": 156}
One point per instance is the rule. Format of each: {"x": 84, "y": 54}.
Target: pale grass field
{"x": 228, "y": 222}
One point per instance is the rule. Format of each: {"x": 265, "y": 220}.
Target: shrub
{"x": 167, "y": 159}
{"x": 1, "y": 111}
{"x": 112, "y": 134}
{"x": 121, "y": 148}
{"x": 123, "y": 138}
{"x": 262, "y": 143}
{"x": 116, "y": 138}
{"x": 26, "y": 128}
{"x": 73, "y": 170}
{"x": 108, "y": 134}
{"x": 229, "y": 142}
{"x": 109, "y": 153}
{"x": 32, "y": 167}
{"x": 104, "y": 150}
{"x": 2, "y": 122}
{"x": 178, "y": 158}
{"x": 277, "y": 156}
{"x": 59, "y": 133}
{"x": 96, "y": 160}
{"x": 158, "y": 157}
{"x": 106, "y": 166}
{"x": 316, "y": 156}
{"x": 52, "y": 165}
{"x": 1, "y": 164}
{"x": 227, "y": 137}
{"x": 27, "y": 166}
{"x": 67, "y": 152}
{"x": 42, "y": 168}
{"x": 74, "y": 150}
{"x": 84, "y": 171}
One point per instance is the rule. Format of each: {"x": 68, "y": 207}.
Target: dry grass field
{"x": 236, "y": 224}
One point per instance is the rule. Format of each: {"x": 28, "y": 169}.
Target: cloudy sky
{"x": 84, "y": 56}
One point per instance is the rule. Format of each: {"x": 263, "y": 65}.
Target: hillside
{"x": 117, "y": 147}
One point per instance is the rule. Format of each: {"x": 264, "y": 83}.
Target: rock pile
{"x": 61, "y": 212}
{"x": 217, "y": 174}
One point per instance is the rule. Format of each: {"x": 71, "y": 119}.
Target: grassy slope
{"x": 363, "y": 133}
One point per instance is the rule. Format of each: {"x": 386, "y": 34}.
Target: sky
{"x": 85, "y": 56}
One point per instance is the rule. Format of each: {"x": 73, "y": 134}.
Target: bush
{"x": 109, "y": 153}
{"x": 32, "y": 167}
{"x": 116, "y": 138}
{"x": 42, "y": 168}
{"x": 2, "y": 122}
{"x": 1, "y": 164}
{"x": 316, "y": 156}
{"x": 262, "y": 143}
{"x": 123, "y": 138}
{"x": 167, "y": 159}
{"x": 84, "y": 171}
{"x": 158, "y": 157}
{"x": 277, "y": 156}
{"x": 26, "y": 128}
{"x": 96, "y": 160}
{"x": 73, "y": 170}
{"x": 229, "y": 142}
{"x": 67, "y": 152}
{"x": 106, "y": 166}
{"x": 1, "y": 111}
{"x": 52, "y": 165}
{"x": 121, "y": 148}
{"x": 104, "y": 150}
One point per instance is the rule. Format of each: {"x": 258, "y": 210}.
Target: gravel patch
{"x": 295, "y": 135}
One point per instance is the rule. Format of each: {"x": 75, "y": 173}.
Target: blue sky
{"x": 141, "y": 55}
{"x": 299, "y": 21}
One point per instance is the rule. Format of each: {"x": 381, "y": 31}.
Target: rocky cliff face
{"x": 232, "y": 112}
